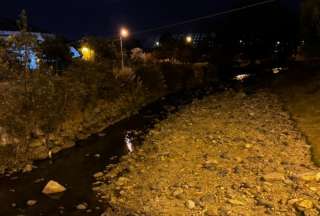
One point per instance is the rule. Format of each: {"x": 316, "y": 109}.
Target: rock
{"x": 177, "y": 192}
{"x": 248, "y": 146}
{"x": 310, "y": 176}
{"x": 53, "y": 187}
{"x": 32, "y": 202}
{"x": 27, "y": 168}
{"x": 82, "y": 206}
{"x": 39, "y": 180}
{"x": 212, "y": 211}
{"x": 190, "y": 204}
{"x": 273, "y": 177}
{"x": 304, "y": 204}
{"x": 36, "y": 143}
{"x": 122, "y": 181}
{"x": 98, "y": 175}
{"x": 235, "y": 202}
{"x": 264, "y": 203}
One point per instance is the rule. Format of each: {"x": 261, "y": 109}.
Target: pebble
{"x": 82, "y": 206}
{"x": 98, "y": 175}
{"x": 190, "y": 204}
{"x": 273, "y": 177}
{"x": 178, "y": 192}
{"x": 304, "y": 204}
{"x": 236, "y": 202}
{"x": 32, "y": 202}
{"x": 27, "y": 168}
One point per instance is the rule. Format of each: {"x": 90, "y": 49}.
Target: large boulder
{"x": 53, "y": 187}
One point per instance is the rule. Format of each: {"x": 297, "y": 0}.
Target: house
{"x": 9, "y": 28}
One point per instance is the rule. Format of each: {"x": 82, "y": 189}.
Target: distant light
{"x": 278, "y": 42}
{"x": 87, "y": 53}
{"x": 157, "y": 43}
{"x": 124, "y": 32}
{"x": 240, "y": 41}
{"x": 189, "y": 39}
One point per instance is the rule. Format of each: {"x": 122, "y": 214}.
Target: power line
{"x": 204, "y": 17}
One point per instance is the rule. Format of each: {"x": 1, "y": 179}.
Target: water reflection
{"x": 128, "y": 140}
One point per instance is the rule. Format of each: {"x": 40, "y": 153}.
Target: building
{"x": 9, "y": 28}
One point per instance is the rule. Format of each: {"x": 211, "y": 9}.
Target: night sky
{"x": 75, "y": 18}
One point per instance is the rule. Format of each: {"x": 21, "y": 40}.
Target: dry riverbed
{"x": 228, "y": 154}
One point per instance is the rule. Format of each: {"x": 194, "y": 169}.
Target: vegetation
{"x": 64, "y": 99}
{"x": 311, "y": 26}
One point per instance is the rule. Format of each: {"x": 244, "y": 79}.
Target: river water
{"x": 74, "y": 168}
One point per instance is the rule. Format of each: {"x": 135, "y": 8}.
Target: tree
{"x": 103, "y": 48}
{"x": 310, "y": 20}
{"x": 56, "y": 53}
{"x": 25, "y": 45}
{"x": 167, "y": 48}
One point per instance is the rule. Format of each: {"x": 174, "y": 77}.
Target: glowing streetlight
{"x": 124, "y": 33}
{"x": 189, "y": 39}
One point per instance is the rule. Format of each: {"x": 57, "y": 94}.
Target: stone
{"x": 177, "y": 192}
{"x": 310, "y": 176}
{"x": 82, "y": 206}
{"x": 98, "y": 175}
{"x": 27, "y": 168}
{"x": 304, "y": 204}
{"x": 211, "y": 211}
{"x": 122, "y": 181}
{"x": 190, "y": 204}
{"x": 32, "y": 202}
{"x": 248, "y": 146}
{"x": 53, "y": 187}
{"x": 235, "y": 202}
{"x": 36, "y": 143}
{"x": 273, "y": 177}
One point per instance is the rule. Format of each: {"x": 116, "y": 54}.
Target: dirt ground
{"x": 228, "y": 154}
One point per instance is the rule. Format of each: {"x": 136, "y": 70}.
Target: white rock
{"x": 27, "y": 168}
{"x": 53, "y": 187}
{"x": 82, "y": 206}
{"x": 31, "y": 202}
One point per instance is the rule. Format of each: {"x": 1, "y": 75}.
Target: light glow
{"x": 87, "y": 53}
{"x": 124, "y": 32}
{"x": 189, "y": 39}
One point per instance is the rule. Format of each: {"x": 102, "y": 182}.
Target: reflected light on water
{"x": 128, "y": 141}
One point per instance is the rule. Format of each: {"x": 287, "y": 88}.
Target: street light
{"x": 124, "y": 33}
{"x": 189, "y": 39}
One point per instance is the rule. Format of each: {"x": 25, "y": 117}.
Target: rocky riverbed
{"x": 228, "y": 154}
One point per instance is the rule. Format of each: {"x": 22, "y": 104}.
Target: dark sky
{"x": 74, "y": 18}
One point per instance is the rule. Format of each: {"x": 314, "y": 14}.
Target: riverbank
{"x": 57, "y": 111}
{"x": 299, "y": 89}
{"x": 228, "y": 154}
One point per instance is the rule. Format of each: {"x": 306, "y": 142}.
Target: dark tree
{"x": 56, "y": 53}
